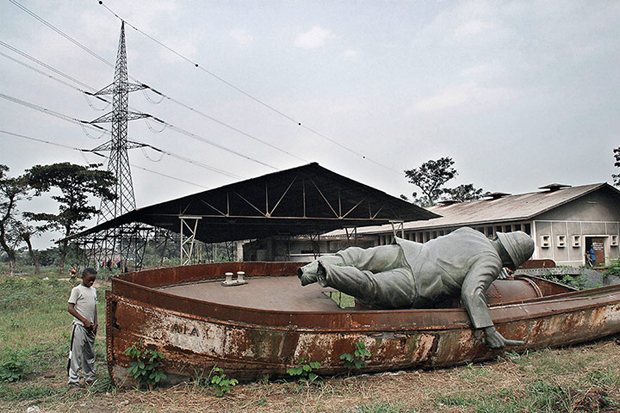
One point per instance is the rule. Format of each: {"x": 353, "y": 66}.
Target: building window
{"x": 576, "y": 241}
{"x": 517, "y": 227}
{"x": 561, "y": 241}
{"x": 545, "y": 241}
{"x": 613, "y": 240}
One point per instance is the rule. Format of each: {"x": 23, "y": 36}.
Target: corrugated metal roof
{"x": 508, "y": 208}
{"x": 305, "y": 200}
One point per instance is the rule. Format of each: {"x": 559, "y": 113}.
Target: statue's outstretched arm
{"x": 477, "y": 281}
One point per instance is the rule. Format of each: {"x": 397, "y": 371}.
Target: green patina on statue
{"x": 408, "y": 274}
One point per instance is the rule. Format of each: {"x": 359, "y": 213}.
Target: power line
{"x": 47, "y": 75}
{"x": 101, "y": 155}
{"x": 45, "y": 65}
{"x": 177, "y": 129}
{"x": 63, "y": 34}
{"x": 225, "y": 124}
{"x": 257, "y": 100}
{"x": 217, "y": 145}
{"x": 50, "y": 112}
{"x": 183, "y": 158}
{"x": 261, "y": 102}
{"x": 84, "y": 124}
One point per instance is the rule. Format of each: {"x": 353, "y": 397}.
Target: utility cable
{"x": 208, "y": 142}
{"x": 85, "y": 124}
{"x": 112, "y": 65}
{"x": 175, "y": 128}
{"x": 63, "y": 34}
{"x": 219, "y": 122}
{"x": 95, "y": 153}
{"x": 257, "y": 100}
{"x": 50, "y": 112}
{"x": 45, "y": 65}
{"x": 47, "y": 75}
{"x": 178, "y": 130}
{"x": 188, "y": 160}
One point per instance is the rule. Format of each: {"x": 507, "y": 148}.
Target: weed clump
{"x": 145, "y": 367}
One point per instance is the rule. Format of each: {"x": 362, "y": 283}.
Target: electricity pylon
{"x": 128, "y": 240}
{"x": 118, "y": 145}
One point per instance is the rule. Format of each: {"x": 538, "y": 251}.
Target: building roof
{"x": 499, "y": 209}
{"x": 304, "y": 200}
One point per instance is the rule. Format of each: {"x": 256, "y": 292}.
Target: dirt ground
{"x": 588, "y": 377}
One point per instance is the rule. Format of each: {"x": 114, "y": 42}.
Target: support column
{"x": 188, "y": 224}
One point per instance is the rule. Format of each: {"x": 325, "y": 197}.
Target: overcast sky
{"x": 520, "y": 94}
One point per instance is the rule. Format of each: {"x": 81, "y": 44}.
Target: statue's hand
{"x": 505, "y": 273}
{"x": 308, "y": 273}
{"x": 493, "y": 339}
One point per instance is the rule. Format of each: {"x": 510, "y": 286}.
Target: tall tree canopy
{"x": 75, "y": 183}
{"x": 463, "y": 193}
{"x": 11, "y": 191}
{"x": 431, "y": 177}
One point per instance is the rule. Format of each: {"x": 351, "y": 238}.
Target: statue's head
{"x": 518, "y": 245}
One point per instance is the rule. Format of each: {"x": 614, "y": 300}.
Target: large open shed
{"x": 304, "y": 200}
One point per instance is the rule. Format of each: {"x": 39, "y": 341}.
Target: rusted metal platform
{"x": 263, "y": 328}
{"x": 265, "y": 293}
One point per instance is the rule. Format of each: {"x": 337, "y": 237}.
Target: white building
{"x": 565, "y": 223}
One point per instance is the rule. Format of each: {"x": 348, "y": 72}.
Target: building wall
{"x": 566, "y": 242}
{"x": 490, "y": 230}
{"x": 562, "y": 234}
{"x": 565, "y": 234}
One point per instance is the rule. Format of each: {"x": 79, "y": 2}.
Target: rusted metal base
{"x": 266, "y": 326}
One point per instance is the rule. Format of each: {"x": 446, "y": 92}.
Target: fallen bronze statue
{"x": 408, "y": 274}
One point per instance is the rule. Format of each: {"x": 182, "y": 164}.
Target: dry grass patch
{"x": 584, "y": 378}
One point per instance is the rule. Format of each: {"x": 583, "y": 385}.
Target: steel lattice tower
{"x": 118, "y": 162}
{"x": 126, "y": 241}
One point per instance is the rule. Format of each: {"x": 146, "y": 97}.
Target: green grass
{"x": 35, "y": 328}
{"x": 383, "y": 408}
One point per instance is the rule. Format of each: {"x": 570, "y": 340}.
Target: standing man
{"x": 83, "y": 308}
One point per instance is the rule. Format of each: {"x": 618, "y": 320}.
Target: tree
{"x": 617, "y": 165}
{"x": 26, "y": 233}
{"x": 76, "y": 183}
{"x": 11, "y": 191}
{"x": 430, "y": 177}
{"x": 463, "y": 193}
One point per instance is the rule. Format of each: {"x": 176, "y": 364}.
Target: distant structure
{"x": 117, "y": 245}
{"x": 573, "y": 226}
{"x": 118, "y": 145}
